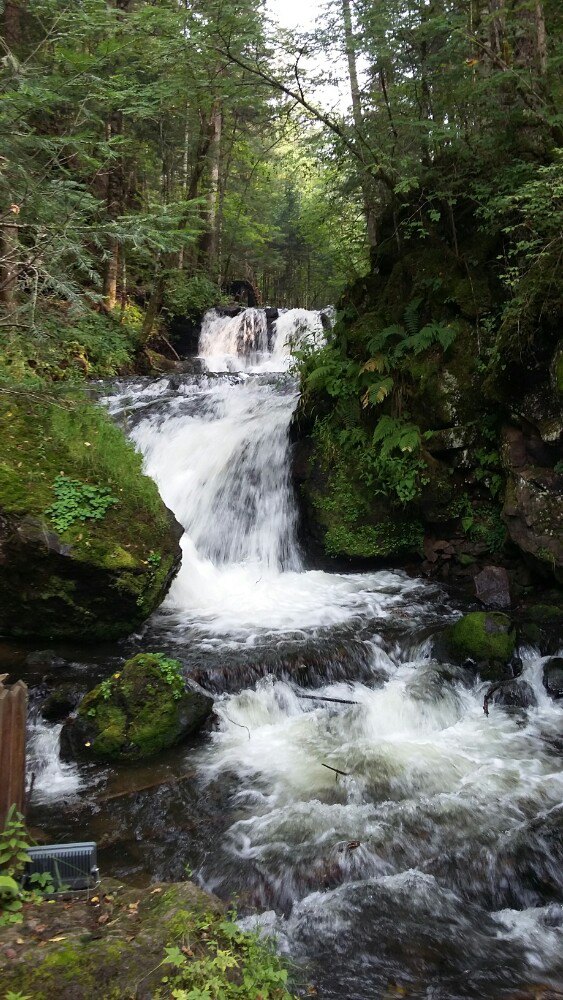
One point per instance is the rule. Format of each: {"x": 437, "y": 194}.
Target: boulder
{"x": 492, "y": 587}
{"x": 142, "y": 709}
{"x": 533, "y": 503}
{"x": 88, "y": 549}
{"x": 542, "y": 625}
{"x": 60, "y": 703}
{"x": 513, "y": 694}
{"x": 553, "y": 677}
{"x": 482, "y": 640}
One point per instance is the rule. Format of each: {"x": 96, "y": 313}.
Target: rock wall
{"x": 487, "y": 483}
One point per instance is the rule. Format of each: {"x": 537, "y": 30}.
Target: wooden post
{"x": 13, "y": 716}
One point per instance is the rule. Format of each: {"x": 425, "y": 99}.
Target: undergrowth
{"x": 216, "y": 960}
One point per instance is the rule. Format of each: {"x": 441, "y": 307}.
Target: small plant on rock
{"x": 76, "y": 501}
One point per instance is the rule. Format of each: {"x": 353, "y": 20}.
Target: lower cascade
{"x": 354, "y": 796}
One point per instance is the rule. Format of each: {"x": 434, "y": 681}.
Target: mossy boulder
{"x": 139, "y": 711}
{"x": 488, "y": 639}
{"x": 87, "y": 547}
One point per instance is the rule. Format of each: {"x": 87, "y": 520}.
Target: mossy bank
{"x": 87, "y": 547}
{"x": 138, "y": 944}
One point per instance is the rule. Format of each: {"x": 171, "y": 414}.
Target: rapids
{"x": 431, "y": 865}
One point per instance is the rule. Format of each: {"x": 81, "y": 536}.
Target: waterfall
{"x": 397, "y": 840}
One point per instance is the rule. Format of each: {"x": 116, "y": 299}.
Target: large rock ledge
{"x": 73, "y": 570}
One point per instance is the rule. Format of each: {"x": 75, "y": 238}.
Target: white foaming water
{"x": 246, "y": 342}
{"x": 54, "y": 779}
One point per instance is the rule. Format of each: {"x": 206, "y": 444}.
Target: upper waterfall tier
{"x": 250, "y": 342}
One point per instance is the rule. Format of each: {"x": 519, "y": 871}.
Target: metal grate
{"x": 72, "y": 866}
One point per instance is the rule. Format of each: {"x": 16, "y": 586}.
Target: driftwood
{"x": 320, "y": 697}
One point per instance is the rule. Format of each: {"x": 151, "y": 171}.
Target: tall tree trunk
{"x": 12, "y": 24}
{"x": 11, "y": 32}
{"x": 541, "y": 34}
{"x": 214, "y": 183}
{"x": 115, "y": 190}
{"x": 9, "y": 259}
{"x": 367, "y": 192}
{"x": 114, "y": 202}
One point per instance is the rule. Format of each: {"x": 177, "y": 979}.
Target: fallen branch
{"x": 345, "y": 774}
{"x": 320, "y": 697}
{"x": 239, "y": 724}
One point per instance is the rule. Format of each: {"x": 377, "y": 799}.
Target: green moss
{"x": 130, "y": 550}
{"x": 346, "y": 514}
{"x": 129, "y": 952}
{"x": 482, "y": 635}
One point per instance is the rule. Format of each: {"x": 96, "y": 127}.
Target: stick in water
{"x": 321, "y": 697}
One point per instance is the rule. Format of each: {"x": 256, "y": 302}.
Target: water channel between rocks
{"x": 432, "y": 865}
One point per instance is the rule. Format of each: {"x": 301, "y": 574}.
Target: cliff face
{"x": 432, "y": 423}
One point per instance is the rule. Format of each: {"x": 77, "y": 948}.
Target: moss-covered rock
{"x": 486, "y": 638}
{"x": 140, "y": 710}
{"x": 88, "y": 549}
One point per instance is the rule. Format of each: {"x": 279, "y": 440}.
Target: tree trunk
{"x": 114, "y": 202}
{"x": 541, "y": 37}
{"x": 115, "y": 191}
{"x": 213, "y": 197}
{"x": 12, "y": 25}
{"x": 367, "y": 193}
{"x": 8, "y": 263}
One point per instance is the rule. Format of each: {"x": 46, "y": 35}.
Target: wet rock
{"x": 60, "y": 703}
{"x": 492, "y": 587}
{"x": 44, "y": 660}
{"x": 533, "y": 513}
{"x": 139, "y": 711}
{"x": 68, "y": 568}
{"x": 514, "y": 694}
{"x": 533, "y": 508}
{"x": 542, "y": 626}
{"x": 484, "y": 641}
{"x": 553, "y": 677}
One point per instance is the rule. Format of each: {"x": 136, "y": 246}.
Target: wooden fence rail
{"x": 13, "y": 715}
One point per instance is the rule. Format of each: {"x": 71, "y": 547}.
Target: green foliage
{"x": 76, "y": 501}
{"x": 171, "y": 671}
{"x": 185, "y": 296}
{"x": 232, "y": 964}
{"x": 14, "y": 844}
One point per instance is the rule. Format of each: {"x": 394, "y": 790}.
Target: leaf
{"x": 174, "y": 957}
{"x": 376, "y": 364}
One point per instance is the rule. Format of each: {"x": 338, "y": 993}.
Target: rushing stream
{"x": 431, "y": 866}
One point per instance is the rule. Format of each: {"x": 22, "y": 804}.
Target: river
{"x": 396, "y": 840}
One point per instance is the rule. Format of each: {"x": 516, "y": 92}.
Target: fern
{"x": 377, "y": 392}
{"x": 411, "y": 315}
